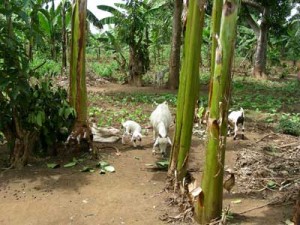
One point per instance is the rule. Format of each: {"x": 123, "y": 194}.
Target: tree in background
{"x": 290, "y": 44}
{"x": 209, "y": 203}
{"x": 160, "y": 22}
{"x": 133, "y": 29}
{"x": 174, "y": 64}
{"x": 188, "y": 90}
{"x": 263, "y": 16}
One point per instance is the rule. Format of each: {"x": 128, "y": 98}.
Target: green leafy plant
{"x": 33, "y": 112}
{"x": 104, "y": 70}
{"x": 290, "y": 124}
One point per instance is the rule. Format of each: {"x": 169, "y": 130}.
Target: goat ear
{"x": 169, "y": 141}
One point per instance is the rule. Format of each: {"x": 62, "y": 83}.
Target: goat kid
{"x": 161, "y": 120}
{"x": 134, "y": 130}
{"x": 234, "y": 119}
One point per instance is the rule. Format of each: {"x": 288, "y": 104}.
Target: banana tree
{"x": 78, "y": 91}
{"x": 209, "y": 203}
{"x": 215, "y": 30}
{"x": 116, "y": 46}
{"x": 131, "y": 22}
{"x": 188, "y": 90}
{"x": 49, "y": 24}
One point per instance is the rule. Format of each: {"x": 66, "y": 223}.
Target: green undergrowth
{"x": 269, "y": 98}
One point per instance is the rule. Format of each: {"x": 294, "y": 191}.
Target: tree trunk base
{"x": 81, "y": 138}
{"x": 22, "y": 148}
{"x": 259, "y": 74}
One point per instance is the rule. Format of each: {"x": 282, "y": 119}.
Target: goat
{"x": 234, "y": 119}
{"x": 159, "y": 77}
{"x": 161, "y": 120}
{"x": 133, "y": 129}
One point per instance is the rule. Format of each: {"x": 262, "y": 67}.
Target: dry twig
{"x": 259, "y": 207}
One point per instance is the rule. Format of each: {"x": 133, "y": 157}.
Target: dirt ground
{"x": 134, "y": 194}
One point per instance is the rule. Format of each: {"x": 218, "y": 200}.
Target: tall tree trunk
{"x": 209, "y": 203}
{"x": 260, "y": 60}
{"x": 174, "y": 63}
{"x": 64, "y": 38}
{"x": 78, "y": 90}
{"x": 135, "y": 67}
{"x": 261, "y": 32}
{"x": 188, "y": 89}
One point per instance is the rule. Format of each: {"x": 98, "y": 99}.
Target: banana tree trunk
{"x": 173, "y": 81}
{"x": 209, "y": 204}
{"x": 78, "y": 90}
{"x": 215, "y": 25}
{"x": 188, "y": 89}
{"x": 64, "y": 38}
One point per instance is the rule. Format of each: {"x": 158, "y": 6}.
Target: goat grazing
{"x": 161, "y": 120}
{"x": 133, "y": 129}
{"x": 234, "y": 119}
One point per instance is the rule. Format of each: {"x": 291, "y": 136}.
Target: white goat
{"x": 134, "y": 130}
{"x": 234, "y": 119}
{"x": 161, "y": 120}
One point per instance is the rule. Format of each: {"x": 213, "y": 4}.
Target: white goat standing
{"x": 161, "y": 120}
{"x": 234, "y": 119}
{"x": 133, "y": 129}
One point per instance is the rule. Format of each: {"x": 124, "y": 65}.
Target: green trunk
{"x": 209, "y": 204}
{"x": 215, "y": 30}
{"x": 63, "y": 38}
{"x": 78, "y": 92}
{"x": 188, "y": 89}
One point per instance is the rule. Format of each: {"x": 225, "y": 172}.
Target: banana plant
{"x": 188, "y": 91}
{"x": 78, "y": 90}
{"x": 209, "y": 202}
{"x": 131, "y": 20}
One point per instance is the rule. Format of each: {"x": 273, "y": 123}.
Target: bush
{"x": 49, "y": 67}
{"x": 56, "y": 118}
{"x": 104, "y": 70}
{"x": 290, "y": 124}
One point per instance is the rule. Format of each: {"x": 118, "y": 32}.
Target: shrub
{"x": 49, "y": 67}
{"x": 104, "y": 70}
{"x": 290, "y": 124}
